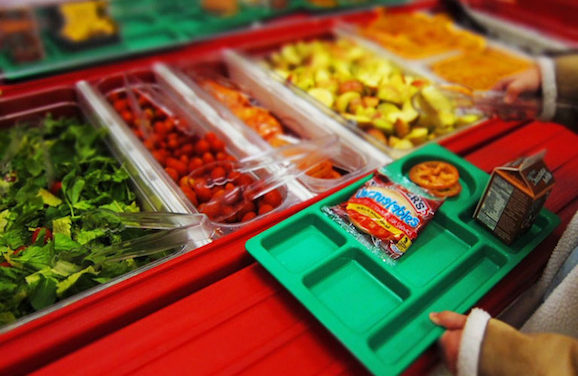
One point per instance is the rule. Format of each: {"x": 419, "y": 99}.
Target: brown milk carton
{"x": 514, "y": 196}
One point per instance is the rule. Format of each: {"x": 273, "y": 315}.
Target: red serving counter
{"x": 248, "y": 324}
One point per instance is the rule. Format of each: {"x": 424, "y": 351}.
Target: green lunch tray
{"x": 379, "y": 310}
{"x": 145, "y": 25}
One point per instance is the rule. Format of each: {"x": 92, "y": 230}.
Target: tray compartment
{"x": 445, "y": 242}
{"x": 541, "y": 223}
{"x": 303, "y": 243}
{"x": 354, "y": 288}
{"x": 395, "y": 340}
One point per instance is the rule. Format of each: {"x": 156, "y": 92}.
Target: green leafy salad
{"x": 51, "y": 176}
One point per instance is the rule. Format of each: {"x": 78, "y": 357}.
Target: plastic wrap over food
{"x": 386, "y": 215}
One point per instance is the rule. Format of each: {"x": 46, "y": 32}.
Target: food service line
{"x": 248, "y": 323}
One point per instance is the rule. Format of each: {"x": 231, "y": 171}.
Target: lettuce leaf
{"x": 53, "y": 268}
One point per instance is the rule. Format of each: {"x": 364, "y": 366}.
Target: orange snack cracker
{"x": 439, "y": 178}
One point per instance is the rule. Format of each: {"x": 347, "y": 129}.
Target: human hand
{"x": 451, "y": 340}
{"x": 528, "y": 81}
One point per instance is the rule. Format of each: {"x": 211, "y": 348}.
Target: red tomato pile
{"x": 226, "y": 194}
{"x": 181, "y": 154}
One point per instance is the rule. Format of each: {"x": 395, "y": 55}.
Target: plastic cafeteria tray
{"x": 380, "y": 310}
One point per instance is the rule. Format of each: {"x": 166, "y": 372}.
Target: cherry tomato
{"x": 265, "y": 208}
{"x": 243, "y": 180}
{"x": 217, "y": 193}
{"x": 149, "y": 143}
{"x": 211, "y": 136}
{"x": 173, "y": 144}
{"x": 247, "y": 207}
{"x": 119, "y": 105}
{"x": 228, "y": 214}
{"x": 113, "y": 97}
{"x": 195, "y": 163}
{"x": 248, "y": 216}
{"x": 204, "y": 194}
{"x": 202, "y": 147}
{"x": 272, "y": 198}
{"x": 179, "y": 166}
{"x": 172, "y": 173}
{"x": 212, "y": 210}
{"x": 217, "y": 145}
{"x": 169, "y": 125}
{"x": 187, "y": 149}
{"x": 149, "y": 114}
{"x": 185, "y": 159}
{"x": 127, "y": 116}
{"x": 160, "y": 156}
{"x": 218, "y": 173}
{"x": 208, "y": 157}
{"x": 159, "y": 127}
{"x": 191, "y": 195}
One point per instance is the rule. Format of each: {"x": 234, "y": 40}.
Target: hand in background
{"x": 451, "y": 340}
{"x": 528, "y": 81}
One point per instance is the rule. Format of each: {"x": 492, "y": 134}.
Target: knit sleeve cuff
{"x": 549, "y": 91}
{"x": 471, "y": 345}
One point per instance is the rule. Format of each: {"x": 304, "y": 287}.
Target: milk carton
{"x": 514, "y": 196}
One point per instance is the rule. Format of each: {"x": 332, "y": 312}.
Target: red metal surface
{"x": 248, "y": 324}
{"x": 556, "y": 18}
{"x": 471, "y": 139}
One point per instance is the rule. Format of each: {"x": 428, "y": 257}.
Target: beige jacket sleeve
{"x": 506, "y": 351}
{"x": 566, "y": 78}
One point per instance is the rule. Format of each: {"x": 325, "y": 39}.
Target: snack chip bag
{"x": 388, "y": 214}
